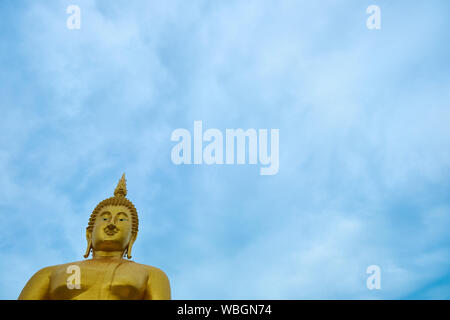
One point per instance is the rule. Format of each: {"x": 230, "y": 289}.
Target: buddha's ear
{"x": 130, "y": 245}
{"x": 89, "y": 243}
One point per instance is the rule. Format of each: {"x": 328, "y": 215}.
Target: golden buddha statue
{"x": 110, "y": 235}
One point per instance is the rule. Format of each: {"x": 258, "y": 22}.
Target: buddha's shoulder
{"x": 151, "y": 270}
{"x": 69, "y": 267}
{"x": 48, "y": 271}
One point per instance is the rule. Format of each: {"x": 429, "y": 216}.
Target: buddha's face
{"x": 112, "y": 229}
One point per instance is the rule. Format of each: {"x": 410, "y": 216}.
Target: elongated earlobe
{"x": 88, "y": 250}
{"x": 130, "y": 246}
{"x": 89, "y": 245}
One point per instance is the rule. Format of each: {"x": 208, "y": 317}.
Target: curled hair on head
{"x": 118, "y": 200}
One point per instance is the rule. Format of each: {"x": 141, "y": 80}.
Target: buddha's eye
{"x": 104, "y": 219}
{"x": 122, "y": 219}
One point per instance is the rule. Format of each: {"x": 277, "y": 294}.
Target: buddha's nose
{"x": 111, "y": 226}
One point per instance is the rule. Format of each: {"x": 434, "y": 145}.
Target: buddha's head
{"x": 113, "y": 224}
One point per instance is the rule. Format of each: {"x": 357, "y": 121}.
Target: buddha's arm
{"x": 37, "y": 287}
{"x": 158, "y": 286}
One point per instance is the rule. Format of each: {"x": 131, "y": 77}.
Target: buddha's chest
{"x": 98, "y": 281}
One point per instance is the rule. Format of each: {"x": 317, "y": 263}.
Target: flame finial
{"x": 121, "y": 189}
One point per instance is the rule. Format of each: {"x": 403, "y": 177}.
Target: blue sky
{"x": 364, "y": 142}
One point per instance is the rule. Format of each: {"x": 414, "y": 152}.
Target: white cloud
{"x": 364, "y": 140}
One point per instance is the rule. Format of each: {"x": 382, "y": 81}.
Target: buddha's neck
{"x": 98, "y": 254}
